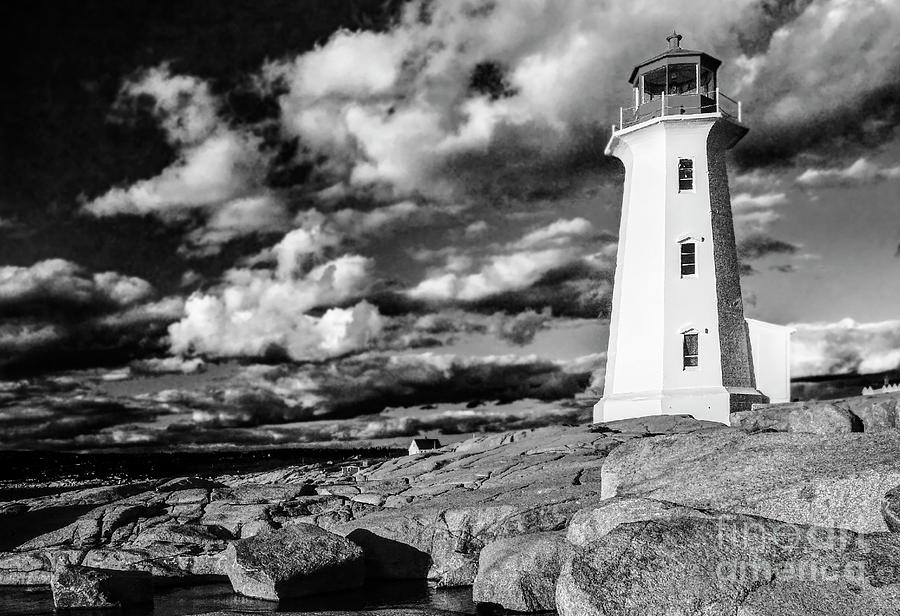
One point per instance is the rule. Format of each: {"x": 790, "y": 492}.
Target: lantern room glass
{"x": 676, "y": 80}
{"x": 682, "y": 79}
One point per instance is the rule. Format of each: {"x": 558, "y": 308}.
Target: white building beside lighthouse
{"x": 679, "y": 342}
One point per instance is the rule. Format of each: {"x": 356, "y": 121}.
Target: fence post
{"x": 621, "y": 114}
{"x": 739, "y": 111}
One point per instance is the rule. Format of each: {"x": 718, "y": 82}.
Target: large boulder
{"x": 74, "y": 586}
{"x": 520, "y": 573}
{"x": 708, "y": 567}
{"x": 820, "y": 418}
{"x": 823, "y": 479}
{"x": 294, "y": 561}
{"x": 881, "y": 412}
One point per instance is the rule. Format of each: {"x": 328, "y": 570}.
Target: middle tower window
{"x": 688, "y": 259}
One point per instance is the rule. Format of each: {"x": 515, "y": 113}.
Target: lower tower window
{"x": 691, "y": 350}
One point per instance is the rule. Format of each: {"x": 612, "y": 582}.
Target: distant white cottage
{"x": 679, "y": 342}
{"x": 418, "y": 445}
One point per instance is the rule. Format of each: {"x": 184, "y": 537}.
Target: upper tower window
{"x": 685, "y": 174}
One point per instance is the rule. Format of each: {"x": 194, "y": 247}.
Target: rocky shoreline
{"x": 793, "y": 510}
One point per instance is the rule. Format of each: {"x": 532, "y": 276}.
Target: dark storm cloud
{"x": 338, "y": 400}
{"x": 56, "y": 314}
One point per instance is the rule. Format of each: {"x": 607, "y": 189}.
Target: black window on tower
{"x": 685, "y": 174}
{"x": 691, "y": 350}
{"x": 688, "y": 259}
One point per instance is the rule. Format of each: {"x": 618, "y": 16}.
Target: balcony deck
{"x": 678, "y": 105}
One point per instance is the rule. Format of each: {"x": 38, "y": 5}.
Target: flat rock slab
{"x": 520, "y": 573}
{"x": 74, "y": 586}
{"x": 295, "y": 561}
{"x": 708, "y": 567}
{"x": 592, "y": 523}
{"x": 834, "y": 599}
{"x": 823, "y": 479}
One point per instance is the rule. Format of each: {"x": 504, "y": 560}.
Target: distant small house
{"x": 419, "y": 445}
{"x": 350, "y": 470}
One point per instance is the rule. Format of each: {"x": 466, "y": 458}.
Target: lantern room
{"x": 676, "y": 82}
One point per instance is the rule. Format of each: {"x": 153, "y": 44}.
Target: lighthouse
{"x": 678, "y": 339}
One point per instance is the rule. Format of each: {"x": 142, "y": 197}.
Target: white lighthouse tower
{"x": 678, "y": 341}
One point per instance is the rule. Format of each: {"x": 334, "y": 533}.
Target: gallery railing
{"x": 670, "y": 105}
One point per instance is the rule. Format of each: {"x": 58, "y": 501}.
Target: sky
{"x": 303, "y": 211}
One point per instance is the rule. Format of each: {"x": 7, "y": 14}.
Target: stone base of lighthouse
{"x": 706, "y": 403}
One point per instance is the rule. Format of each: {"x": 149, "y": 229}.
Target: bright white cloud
{"x": 861, "y": 171}
{"x": 755, "y": 213}
{"x": 258, "y": 311}
{"x": 186, "y": 108}
{"x": 747, "y": 201}
{"x": 845, "y": 346}
{"x": 168, "y": 365}
{"x": 476, "y": 228}
{"x": 219, "y": 170}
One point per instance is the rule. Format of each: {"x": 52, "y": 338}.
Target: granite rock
{"x": 708, "y": 567}
{"x": 294, "y": 561}
{"x": 75, "y": 586}
{"x": 823, "y": 479}
{"x": 520, "y": 573}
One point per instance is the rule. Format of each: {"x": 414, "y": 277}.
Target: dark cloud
{"x": 759, "y": 245}
{"x": 523, "y": 327}
{"x": 336, "y": 400}
{"x": 57, "y": 315}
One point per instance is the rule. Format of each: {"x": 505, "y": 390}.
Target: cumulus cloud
{"x": 517, "y": 273}
{"x": 453, "y": 84}
{"x": 845, "y": 346}
{"x": 219, "y": 170}
{"x": 817, "y": 52}
{"x": 61, "y": 282}
{"x": 860, "y": 172}
{"x": 454, "y": 79}
{"x": 262, "y": 312}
